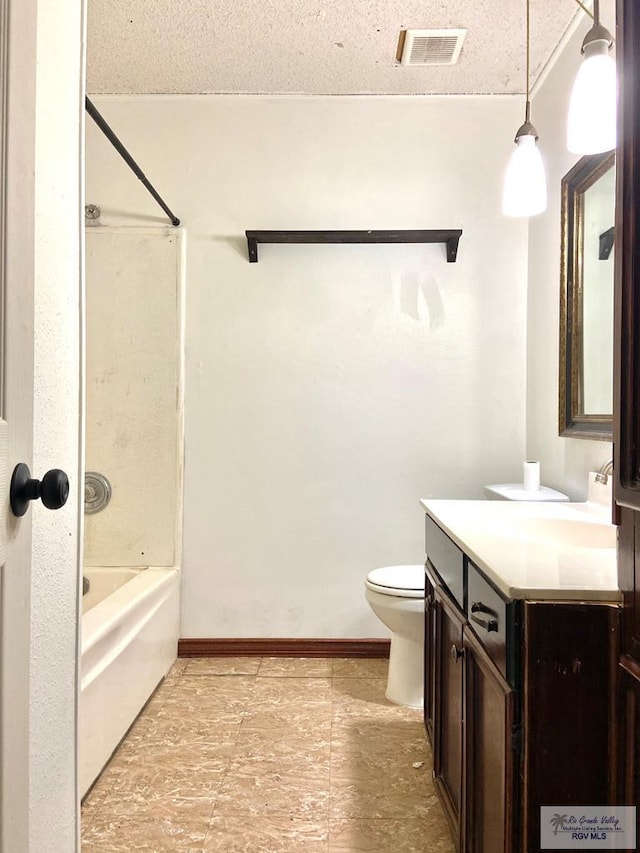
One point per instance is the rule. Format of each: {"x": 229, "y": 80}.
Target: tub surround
{"x": 134, "y": 394}
{"x": 134, "y": 437}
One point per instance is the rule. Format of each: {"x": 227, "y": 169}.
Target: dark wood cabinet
{"x": 469, "y": 715}
{"x": 628, "y": 688}
{"x": 568, "y": 713}
{"x": 626, "y": 403}
{"x": 429, "y": 643}
{"x": 628, "y": 731}
{"x": 519, "y": 700}
{"x": 490, "y": 744}
{"x": 447, "y": 714}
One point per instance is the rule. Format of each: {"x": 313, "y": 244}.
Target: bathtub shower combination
{"x": 132, "y": 521}
{"x": 129, "y": 638}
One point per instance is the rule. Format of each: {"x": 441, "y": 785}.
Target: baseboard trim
{"x": 293, "y": 647}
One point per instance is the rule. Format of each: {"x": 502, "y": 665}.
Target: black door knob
{"x": 53, "y": 489}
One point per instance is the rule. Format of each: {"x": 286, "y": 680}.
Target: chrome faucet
{"x": 603, "y": 474}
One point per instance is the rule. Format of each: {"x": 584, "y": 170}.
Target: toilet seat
{"x": 399, "y": 581}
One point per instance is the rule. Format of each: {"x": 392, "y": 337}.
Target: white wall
{"x": 328, "y": 388}
{"x": 134, "y": 394}
{"x": 54, "y": 809}
{"x": 564, "y": 461}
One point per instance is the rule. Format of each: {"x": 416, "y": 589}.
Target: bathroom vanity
{"x": 521, "y": 642}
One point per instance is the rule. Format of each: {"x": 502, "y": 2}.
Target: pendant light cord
{"x": 588, "y": 11}
{"x": 527, "y": 114}
{"x": 596, "y": 17}
{"x": 527, "y": 128}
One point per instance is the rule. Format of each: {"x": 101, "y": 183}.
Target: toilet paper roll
{"x": 531, "y": 476}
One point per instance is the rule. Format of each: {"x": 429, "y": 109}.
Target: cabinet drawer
{"x": 487, "y": 613}
{"x": 447, "y": 559}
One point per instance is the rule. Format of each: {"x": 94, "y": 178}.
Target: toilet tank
{"x": 517, "y": 492}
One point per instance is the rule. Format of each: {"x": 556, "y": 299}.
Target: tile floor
{"x": 263, "y": 755}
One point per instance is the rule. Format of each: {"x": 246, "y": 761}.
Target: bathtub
{"x": 129, "y": 642}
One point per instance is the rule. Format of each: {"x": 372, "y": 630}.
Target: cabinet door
{"x": 626, "y": 402}
{"x": 447, "y": 709}
{"x": 628, "y": 792}
{"x": 429, "y": 653}
{"x": 489, "y": 777}
{"x": 570, "y": 652}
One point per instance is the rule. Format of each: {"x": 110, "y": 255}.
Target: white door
{"x": 17, "y": 217}
{"x": 38, "y": 788}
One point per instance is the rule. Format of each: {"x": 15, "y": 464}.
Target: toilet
{"x": 396, "y": 596}
{"x": 517, "y": 492}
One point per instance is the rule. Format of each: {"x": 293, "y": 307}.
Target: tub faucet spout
{"x": 603, "y": 474}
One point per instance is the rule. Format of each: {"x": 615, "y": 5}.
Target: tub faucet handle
{"x": 53, "y": 489}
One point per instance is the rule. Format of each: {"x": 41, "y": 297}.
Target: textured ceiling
{"x": 312, "y": 46}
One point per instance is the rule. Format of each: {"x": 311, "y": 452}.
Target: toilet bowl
{"x": 396, "y": 596}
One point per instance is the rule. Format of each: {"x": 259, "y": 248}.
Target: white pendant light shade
{"x": 591, "y": 127}
{"x": 525, "y": 184}
{"x": 524, "y": 192}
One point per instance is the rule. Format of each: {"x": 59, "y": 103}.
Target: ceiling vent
{"x": 432, "y": 47}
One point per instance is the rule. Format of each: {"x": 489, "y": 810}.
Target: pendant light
{"x": 525, "y": 183}
{"x": 591, "y": 127}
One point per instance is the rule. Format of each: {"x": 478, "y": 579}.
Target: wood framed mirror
{"x": 586, "y": 298}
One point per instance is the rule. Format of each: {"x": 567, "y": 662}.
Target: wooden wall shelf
{"x": 451, "y": 237}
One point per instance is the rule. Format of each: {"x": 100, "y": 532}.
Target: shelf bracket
{"x": 606, "y": 242}
{"x": 451, "y": 237}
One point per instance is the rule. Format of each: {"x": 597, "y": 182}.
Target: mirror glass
{"x": 586, "y": 298}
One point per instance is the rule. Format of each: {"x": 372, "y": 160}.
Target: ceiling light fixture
{"x": 525, "y": 183}
{"x": 591, "y": 127}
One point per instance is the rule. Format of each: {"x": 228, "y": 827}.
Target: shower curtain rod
{"x": 128, "y": 159}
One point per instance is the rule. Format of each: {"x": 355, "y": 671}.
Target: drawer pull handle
{"x": 456, "y": 653}
{"x": 479, "y": 607}
{"x": 487, "y": 624}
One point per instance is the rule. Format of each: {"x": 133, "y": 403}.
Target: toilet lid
{"x": 398, "y": 580}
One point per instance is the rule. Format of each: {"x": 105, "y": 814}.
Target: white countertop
{"x": 550, "y": 551}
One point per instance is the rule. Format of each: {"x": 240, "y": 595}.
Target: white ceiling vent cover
{"x": 432, "y": 47}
